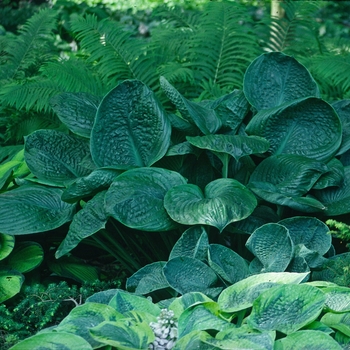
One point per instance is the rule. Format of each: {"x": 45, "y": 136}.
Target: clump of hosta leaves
{"x": 165, "y": 330}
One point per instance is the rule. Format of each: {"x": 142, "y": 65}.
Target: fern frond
{"x": 33, "y": 44}
{"x": 31, "y": 94}
{"x": 115, "y": 52}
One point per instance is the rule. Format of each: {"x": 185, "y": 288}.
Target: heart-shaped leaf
{"x": 10, "y": 283}
{"x": 272, "y": 245}
{"x": 237, "y": 146}
{"x": 33, "y": 208}
{"x": 224, "y": 201}
{"x": 76, "y": 110}
{"x": 309, "y": 127}
{"x": 57, "y": 157}
{"x": 86, "y": 222}
{"x": 286, "y": 308}
{"x": 136, "y": 198}
{"x": 131, "y": 128}
{"x": 275, "y": 78}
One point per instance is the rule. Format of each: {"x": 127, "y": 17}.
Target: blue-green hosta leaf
{"x": 205, "y": 118}
{"x": 124, "y": 302}
{"x": 336, "y": 199}
{"x": 77, "y": 110}
{"x": 103, "y": 297}
{"x": 288, "y": 174}
{"x": 298, "y": 264}
{"x": 7, "y": 243}
{"x": 57, "y": 157}
{"x": 309, "y": 127}
{"x": 242, "y": 294}
{"x": 180, "y": 304}
{"x": 183, "y": 148}
{"x": 275, "y": 78}
{"x": 343, "y": 110}
{"x": 186, "y": 275}
{"x": 148, "y": 279}
{"x": 307, "y": 339}
{"x": 53, "y": 340}
{"x": 309, "y": 231}
{"x": 272, "y": 245}
{"x": 201, "y": 317}
{"x": 26, "y": 256}
{"x": 237, "y": 146}
{"x": 124, "y": 334}
{"x": 86, "y": 222}
{"x": 136, "y": 197}
{"x": 227, "y": 264}
{"x": 98, "y": 180}
{"x": 193, "y": 243}
{"x": 286, "y": 308}
{"x": 263, "y": 339}
{"x": 84, "y": 317}
{"x": 10, "y": 283}
{"x": 333, "y": 177}
{"x": 339, "y": 321}
{"x": 337, "y": 299}
{"x": 131, "y": 128}
{"x": 224, "y": 201}
{"x": 33, "y": 208}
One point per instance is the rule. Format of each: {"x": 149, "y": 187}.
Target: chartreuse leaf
{"x": 180, "y": 304}
{"x": 286, "y": 308}
{"x": 205, "y": 118}
{"x": 53, "y": 341}
{"x": 308, "y": 339}
{"x": 148, "y": 279}
{"x": 242, "y": 294}
{"x": 261, "y": 340}
{"x": 224, "y": 201}
{"x": 186, "y": 275}
{"x": 131, "y": 128}
{"x": 76, "y": 110}
{"x": 26, "y": 256}
{"x": 203, "y": 316}
{"x": 124, "y": 334}
{"x": 136, "y": 198}
{"x": 124, "y": 302}
{"x": 87, "y": 221}
{"x": 33, "y": 208}
{"x": 336, "y": 199}
{"x": 10, "y": 283}
{"x": 84, "y": 317}
{"x": 227, "y": 264}
{"x": 337, "y": 299}
{"x": 57, "y": 157}
{"x": 7, "y": 243}
{"x": 309, "y": 127}
{"x": 272, "y": 245}
{"x": 98, "y": 180}
{"x": 193, "y": 243}
{"x": 275, "y": 78}
{"x": 339, "y": 321}
{"x": 237, "y": 146}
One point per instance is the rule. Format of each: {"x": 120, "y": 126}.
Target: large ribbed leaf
{"x": 286, "y": 308}
{"x": 86, "y": 222}
{"x": 308, "y": 127}
{"x": 237, "y": 146}
{"x": 224, "y": 201}
{"x": 272, "y": 245}
{"x": 136, "y": 198}
{"x": 57, "y": 157}
{"x": 131, "y": 128}
{"x": 76, "y": 110}
{"x": 343, "y": 110}
{"x": 205, "y": 118}
{"x": 275, "y": 78}
{"x": 33, "y": 208}
{"x": 333, "y": 177}
{"x": 336, "y": 199}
